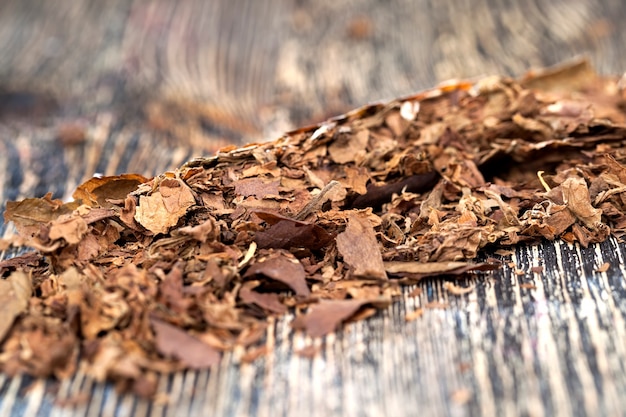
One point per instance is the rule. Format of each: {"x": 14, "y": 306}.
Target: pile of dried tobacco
{"x": 142, "y": 276}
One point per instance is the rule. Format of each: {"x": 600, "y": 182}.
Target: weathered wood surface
{"x": 156, "y": 83}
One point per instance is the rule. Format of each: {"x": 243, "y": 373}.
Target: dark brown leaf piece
{"x": 171, "y": 341}
{"x": 29, "y": 260}
{"x": 418, "y": 270}
{"x": 285, "y": 233}
{"x": 359, "y": 248}
{"x": 376, "y": 196}
{"x": 328, "y": 315}
{"x": 268, "y": 301}
{"x": 284, "y": 269}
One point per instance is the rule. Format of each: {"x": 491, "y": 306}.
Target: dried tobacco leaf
{"x": 27, "y": 215}
{"x": 174, "y": 342}
{"x": 457, "y": 290}
{"x": 420, "y": 270}
{"x": 576, "y": 197}
{"x": 206, "y": 231}
{"x": 284, "y": 269}
{"x": 359, "y": 248}
{"x": 162, "y": 209}
{"x": 257, "y": 187}
{"x": 376, "y": 196}
{"x": 268, "y": 301}
{"x": 349, "y": 148}
{"x": 137, "y": 277}
{"x": 70, "y": 228}
{"x": 15, "y": 292}
{"x": 326, "y": 316}
{"x": 28, "y": 261}
{"x": 97, "y": 190}
{"x": 286, "y": 233}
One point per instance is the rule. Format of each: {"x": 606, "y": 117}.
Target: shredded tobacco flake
{"x": 141, "y": 276}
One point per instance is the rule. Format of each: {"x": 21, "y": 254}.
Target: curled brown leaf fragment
{"x": 375, "y": 196}
{"x": 72, "y": 229}
{"x": 99, "y": 191}
{"x": 206, "y": 231}
{"x": 576, "y": 197}
{"x": 414, "y": 315}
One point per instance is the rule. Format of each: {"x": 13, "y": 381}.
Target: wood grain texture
{"x": 257, "y": 68}
{"x": 156, "y": 83}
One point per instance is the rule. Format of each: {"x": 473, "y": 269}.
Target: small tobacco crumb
{"x": 536, "y": 269}
{"x": 604, "y": 267}
{"x": 504, "y": 252}
{"x": 436, "y": 305}
{"x": 309, "y": 351}
{"x": 457, "y": 290}
{"x": 461, "y": 396}
{"x": 416, "y": 292}
{"x": 464, "y": 366}
{"x": 414, "y": 315}
{"x": 4, "y": 244}
{"x": 360, "y": 28}
{"x": 528, "y": 286}
{"x": 76, "y": 399}
{"x": 70, "y": 134}
{"x": 254, "y": 353}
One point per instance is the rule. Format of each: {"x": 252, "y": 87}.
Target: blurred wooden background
{"x": 244, "y": 70}
{"x": 134, "y": 85}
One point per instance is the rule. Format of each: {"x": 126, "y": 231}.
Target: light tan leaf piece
{"x": 14, "y": 295}
{"x": 71, "y": 228}
{"x": 576, "y": 196}
{"x": 163, "y": 209}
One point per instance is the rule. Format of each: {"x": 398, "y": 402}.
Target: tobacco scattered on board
{"x": 140, "y": 276}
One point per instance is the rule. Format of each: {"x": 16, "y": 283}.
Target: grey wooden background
{"x": 232, "y": 71}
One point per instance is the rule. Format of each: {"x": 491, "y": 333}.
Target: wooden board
{"x": 533, "y": 344}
